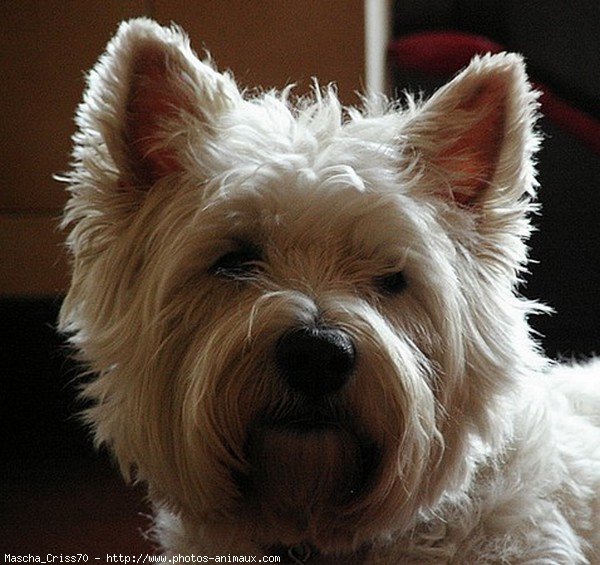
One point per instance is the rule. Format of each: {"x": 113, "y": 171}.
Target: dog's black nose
{"x": 316, "y": 361}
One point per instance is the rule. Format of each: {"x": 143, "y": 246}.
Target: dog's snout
{"x": 316, "y": 361}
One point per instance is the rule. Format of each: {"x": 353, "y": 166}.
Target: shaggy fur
{"x": 206, "y": 223}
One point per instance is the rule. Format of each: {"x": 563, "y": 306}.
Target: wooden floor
{"x": 56, "y": 494}
{"x": 70, "y": 508}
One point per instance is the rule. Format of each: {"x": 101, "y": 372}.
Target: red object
{"x": 446, "y": 52}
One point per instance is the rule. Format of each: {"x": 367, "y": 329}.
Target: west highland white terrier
{"x": 303, "y": 318}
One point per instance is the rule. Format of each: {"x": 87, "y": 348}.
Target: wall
{"x": 47, "y": 47}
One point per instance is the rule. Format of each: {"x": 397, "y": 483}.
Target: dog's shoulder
{"x": 579, "y": 384}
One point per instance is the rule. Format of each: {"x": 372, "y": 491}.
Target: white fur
{"x": 488, "y": 453}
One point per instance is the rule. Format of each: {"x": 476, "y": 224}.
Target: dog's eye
{"x": 237, "y": 264}
{"x": 392, "y": 283}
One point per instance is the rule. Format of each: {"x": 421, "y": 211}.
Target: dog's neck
{"x": 297, "y": 554}
{"x": 306, "y": 553}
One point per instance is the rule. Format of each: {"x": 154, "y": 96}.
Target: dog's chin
{"x": 305, "y": 472}
{"x": 305, "y": 466}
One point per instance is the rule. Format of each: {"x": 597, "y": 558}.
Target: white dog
{"x": 303, "y": 321}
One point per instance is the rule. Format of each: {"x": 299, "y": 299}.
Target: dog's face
{"x": 302, "y": 318}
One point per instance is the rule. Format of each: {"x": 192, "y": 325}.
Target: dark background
{"x": 560, "y": 41}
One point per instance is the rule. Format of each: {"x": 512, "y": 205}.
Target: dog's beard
{"x": 305, "y": 474}
{"x": 308, "y": 463}
{"x": 284, "y": 468}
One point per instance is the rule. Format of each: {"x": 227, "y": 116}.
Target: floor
{"x": 72, "y": 507}
{"x": 57, "y": 495}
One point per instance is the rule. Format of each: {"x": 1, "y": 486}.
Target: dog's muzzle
{"x": 315, "y": 361}
{"x": 309, "y": 457}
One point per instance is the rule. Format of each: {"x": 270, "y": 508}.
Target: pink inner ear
{"x": 472, "y": 160}
{"x": 154, "y": 99}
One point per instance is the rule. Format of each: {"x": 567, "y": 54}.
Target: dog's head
{"x": 302, "y": 317}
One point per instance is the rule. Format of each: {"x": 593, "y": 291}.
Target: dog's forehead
{"x": 270, "y": 137}
{"x": 291, "y": 180}
{"x": 335, "y": 207}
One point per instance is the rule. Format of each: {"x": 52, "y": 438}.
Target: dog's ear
{"x": 475, "y": 136}
{"x": 148, "y": 100}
